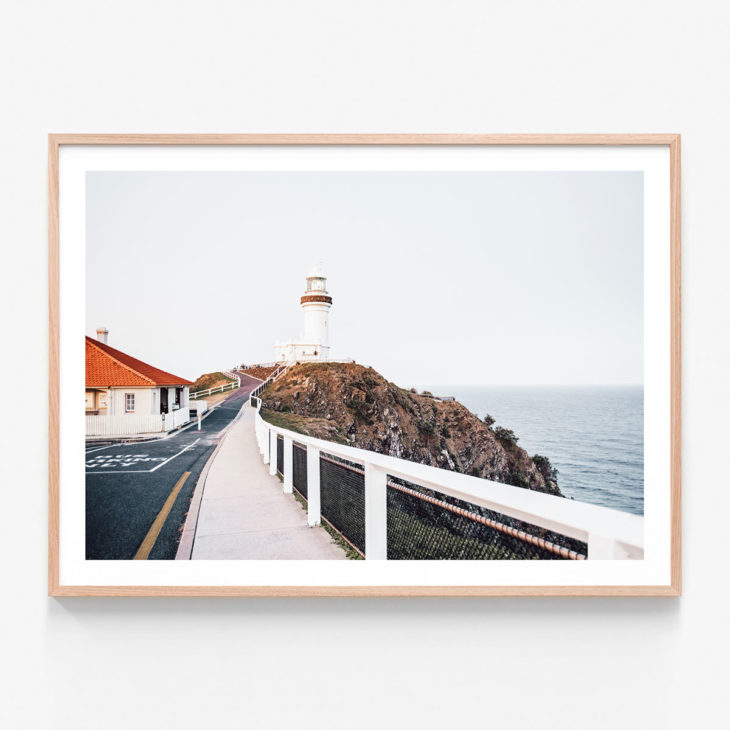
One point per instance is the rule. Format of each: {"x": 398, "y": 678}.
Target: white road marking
{"x": 189, "y": 446}
{"x": 110, "y": 462}
{"x": 104, "y": 460}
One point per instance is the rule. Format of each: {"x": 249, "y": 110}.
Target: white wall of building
{"x": 146, "y": 400}
{"x": 301, "y": 351}
{"x": 553, "y": 664}
{"x": 143, "y": 400}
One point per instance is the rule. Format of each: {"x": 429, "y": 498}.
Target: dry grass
{"x": 210, "y": 380}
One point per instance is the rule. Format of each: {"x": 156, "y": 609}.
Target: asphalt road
{"x": 127, "y": 485}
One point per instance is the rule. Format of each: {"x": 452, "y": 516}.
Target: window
{"x": 129, "y": 402}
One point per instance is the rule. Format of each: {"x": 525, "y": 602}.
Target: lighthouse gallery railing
{"x": 390, "y": 508}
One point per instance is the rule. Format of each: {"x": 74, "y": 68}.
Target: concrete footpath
{"x": 244, "y": 514}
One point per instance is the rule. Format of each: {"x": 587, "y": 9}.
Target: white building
{"x": 125, "y": 396}
{"x": 313, "y": 343}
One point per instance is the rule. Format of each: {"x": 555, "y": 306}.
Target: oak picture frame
{"x": 57, "y": 141}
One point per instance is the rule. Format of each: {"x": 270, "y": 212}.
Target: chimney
{"x": 102, "y": 333}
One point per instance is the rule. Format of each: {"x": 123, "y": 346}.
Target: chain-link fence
{"x": 280, "y": 455}
{"x": 423, "y": 524}
{"x": 342, "y": 498}
{"x": 299, "y": 473}
{"x": 426, "y": 525}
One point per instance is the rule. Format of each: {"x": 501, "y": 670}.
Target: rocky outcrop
{"x": 356, "y": 405}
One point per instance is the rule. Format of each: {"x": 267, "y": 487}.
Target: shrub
{"x": 426, "y": 427}
{"x": 401, "y": 398}
{"x": 370, "y": 381}
{"x": 489, "y": 420}
{"x": 517, "y": 480}
{"x": 545, "y": 467}
{"x": 505, "y": 435}
{"x": 359, "y": 408}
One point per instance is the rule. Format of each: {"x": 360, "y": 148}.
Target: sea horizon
{"x": 593, "y": 434}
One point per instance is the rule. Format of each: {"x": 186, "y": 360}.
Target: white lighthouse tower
{"x": 316, "y": 303}
{"x": 314, "y": 341}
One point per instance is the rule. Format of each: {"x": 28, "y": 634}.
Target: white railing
{"x": 280, "y": 370}
{"x": 259, "y": 365}
{"x": 217, "y": 389}
{"x": 233, "y": 376}
{"x": 128, "y": 424}
{"x": 176, "y": 418}
{"x": 345, "y": 360}
{"x": 308, "y": 360}
{"x": 609, "y": 534}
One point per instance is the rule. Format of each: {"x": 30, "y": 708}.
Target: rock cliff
{"x": 355, "y": 405}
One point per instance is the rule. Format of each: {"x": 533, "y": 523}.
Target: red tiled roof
{"x": 107, "y": 367}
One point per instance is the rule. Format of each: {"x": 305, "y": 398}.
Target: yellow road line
{"x": 151, "y": 537}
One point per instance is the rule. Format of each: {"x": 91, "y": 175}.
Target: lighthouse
{"x": 314, "y": 341}
{"x": 316, "y": 303}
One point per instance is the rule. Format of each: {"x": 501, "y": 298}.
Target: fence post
{"x": 266, "y": 444}
{"x": 273, "y": 453}
{"x": 376, "y": 514}
{"x": 314, "y": 516}
{"x": 288, "y": 465}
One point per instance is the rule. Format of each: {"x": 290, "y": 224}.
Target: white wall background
{"x": 142, "y": 66}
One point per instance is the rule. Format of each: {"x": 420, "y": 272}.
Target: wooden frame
{"x": 55, "y": 141}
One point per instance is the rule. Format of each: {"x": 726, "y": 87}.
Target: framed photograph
{"x": 364, "y": 365}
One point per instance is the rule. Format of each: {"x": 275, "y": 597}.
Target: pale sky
{"x": 436, "y": 277}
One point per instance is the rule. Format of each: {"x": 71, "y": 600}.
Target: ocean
{"x": 593, "y": 435}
